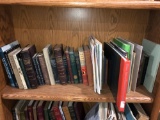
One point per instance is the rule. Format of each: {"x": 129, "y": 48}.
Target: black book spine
{"x": 78, "y": 67}
{"x": 54, "y": 68}
{"x": 39, "y": 71}
{"x": 72, "y": 113}
{"x": 36, "y": 68}
{"x": 66, "y": 68}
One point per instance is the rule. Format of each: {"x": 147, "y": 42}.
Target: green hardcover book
{"x": 22, "y": 114}
{"x": 123, "y": 45}
{"x": 46, "y": 115}
{"x": 73, "y": 65}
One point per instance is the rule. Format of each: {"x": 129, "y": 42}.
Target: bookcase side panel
{"x": 73, "y": 26}
{"x": 153, "y": 34}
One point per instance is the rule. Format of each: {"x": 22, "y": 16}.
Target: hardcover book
{"x": 27, "y": 54}
{"x": 118, "y": 71}
{"x": 46, "y": 114}
{"x": 83, "y": 66}
{"x": 88, "y": 64}
{"x": 15, "y": 70}
{"x": 22, "y": 112}
{"x": 56, "y": 110}
{"x": 30, "y": 110}
{"x": 35, "y": 110}
{"x": 7, "y": 67}
{"x": 43, "y": 68}
{"x": 66, "y": 110}
{"x": 48, "y": 53}
{"x": 40, "y": 108}
{"x": 73, "y": 65}
{"x": 69, "y": 65}
{"x": 72, "y": 111}
{"x": 58, "y": 52}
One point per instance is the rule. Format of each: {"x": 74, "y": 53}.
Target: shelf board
{"x": 73, "y": 92}
{"x": 131, "y": 4}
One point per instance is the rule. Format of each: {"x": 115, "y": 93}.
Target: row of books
{"x": 48, "y": 110}
{"x": 27, "y": 69}
{"x": 109, "y": 111}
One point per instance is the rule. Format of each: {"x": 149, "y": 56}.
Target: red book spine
{"x": 122, "y": 84}
{"x": 57, "y": 113}
{"x": 84, "y": 75}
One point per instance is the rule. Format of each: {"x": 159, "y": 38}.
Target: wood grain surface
{"x": 73, "y": 26}
{"x": 75, "y": 92}
{"x": 131, "y": 4}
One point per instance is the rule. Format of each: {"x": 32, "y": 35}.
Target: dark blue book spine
{"x": 54, "y": 68}
{"x": 40, "y": 71}
{"x": 66, "y": 68}
{"x": 78, "y": 67}
{"x": 36, "y": 68}
{"x": 24, "y": 72}
{"x": 11, "y": 76}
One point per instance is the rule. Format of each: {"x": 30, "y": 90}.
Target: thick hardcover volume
{"x": 58, "y": 52}
{"x": 40, "y": 112}
{"x": 78, "y": 66}
{"x": 48, "y": 52}
{"x": 7, "y": 67}
{"x": 15, "y": 57}
{"x": 69, "y": 65}
{"x": 56, "y": 110}
{"x": 22, "y": 114}
{"x": 83, "y": 66}
{"x": 36, "y": 69}
{"x": 39, "y": 70}
{"x": 88, "y": 64}
{"x": 79, "y": 110}
{"x": 51, "y": 112}
{"x": 66, "y": 110}
{"x": 118, "y": 71}
{"x": 23, "y": 70}
{"x": 43, "y": 68}
{"x": 27, "y": 54}
{"x": 66, "y": 67}
{"x": 122, "y": 84}
{"x": 71, "y": 111}
{"x": 30, "y": 109}
{"x": 73, "y": 65}
{"x": 15, "y": 70}
{"x": 54, "y": 68}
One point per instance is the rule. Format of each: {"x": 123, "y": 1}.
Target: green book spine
{"x": 122, "y": 45}
{"x": 73, "y": 66}
{"x": 46, "y": 115}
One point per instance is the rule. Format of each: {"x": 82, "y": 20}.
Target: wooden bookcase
{"x": 71, "y": 22}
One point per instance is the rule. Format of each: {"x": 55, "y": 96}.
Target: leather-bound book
{"x": 66, "y": 110}
{"x": 30, "y": 109}
{"x": 56, "y": 110}
{"x": 27, "y": 54}
{"x": 66, "y": 67}
{"x": 72, "y": 111}
{"x": 78, "y": 66}
{"x": 40, "y": 108}
{"x": 35, "y": 110}
{"x": 58, "y": 52}
{"x": 46, "y": 115}
{"x": 83, "y": 66}
{"x": 22, "y": 112}
{"x": 79, "y": 110}
{"x": 88, "y": 62}
{"x": 43, "y": 68}
{"x": 69, "y": 65}
{"x": 73, "y": 65}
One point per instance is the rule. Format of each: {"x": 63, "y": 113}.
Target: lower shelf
{"x": 73, "y": 92}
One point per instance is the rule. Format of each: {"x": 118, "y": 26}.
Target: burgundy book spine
{"x": 57, "y": 113}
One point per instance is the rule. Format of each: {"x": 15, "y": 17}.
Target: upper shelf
{"x": 129, "y": 4}
{"x": 74, "y": 92}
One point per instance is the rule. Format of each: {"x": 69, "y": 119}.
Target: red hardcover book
{"x": 56, "y": 110}
{"x": 40, "y": 112}
{"x": 30, "y": 109}
{"x": 122, "y": 84}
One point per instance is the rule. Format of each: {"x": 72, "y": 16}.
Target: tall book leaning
{"x": 118, "y": 71}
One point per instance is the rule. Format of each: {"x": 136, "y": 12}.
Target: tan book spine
{"x": 66, "y": 113}
{"x": 44, "y": 69}
{"x": 11, "y": 59}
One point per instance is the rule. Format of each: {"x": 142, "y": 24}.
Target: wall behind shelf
{"x": 73, "y": 26}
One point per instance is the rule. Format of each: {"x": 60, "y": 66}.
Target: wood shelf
{"x": 131, "y": 4}
{"x": 74, "y": 92}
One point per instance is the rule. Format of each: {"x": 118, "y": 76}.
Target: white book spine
{"x": 20, "y": 71}
{"x": 48, "y": 65}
